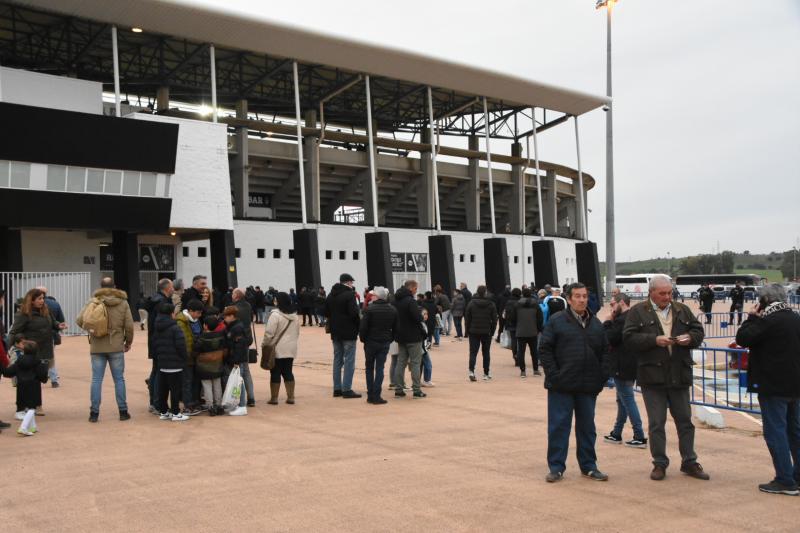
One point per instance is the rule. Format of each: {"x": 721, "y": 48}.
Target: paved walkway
{"x": 470, "y": 457}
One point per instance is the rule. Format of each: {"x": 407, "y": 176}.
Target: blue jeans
{"x": 560, "y": 406}
{"x": 427, "y": 366}
{"x": 781, "y": 417}
{"x": 247, "y": 390}
{"x": 375, "y": 356}
{"x": 627, "y": 408}
{"x": 436, "y": 336}
{"x": 116, "y": 360}
{"x": 457, "y": 322}
{"x": 344, "y": 364}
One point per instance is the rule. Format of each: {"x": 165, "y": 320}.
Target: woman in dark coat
{"x": 35, "y": 323}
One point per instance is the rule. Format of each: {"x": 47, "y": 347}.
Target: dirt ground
{"x": 470, "y": 457}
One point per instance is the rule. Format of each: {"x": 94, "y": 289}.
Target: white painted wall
{"x": 251, "y": 235}
{"x": 53, "y": 92}
{"x": 200, "y": 188}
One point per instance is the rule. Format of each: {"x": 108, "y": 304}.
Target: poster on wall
{"x": 157, "y": 257}
{"x": 106, "y": 258}
{"x": 409, "y": 262}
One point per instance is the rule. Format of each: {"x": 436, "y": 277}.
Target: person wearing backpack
{"x": 108, "y": 321}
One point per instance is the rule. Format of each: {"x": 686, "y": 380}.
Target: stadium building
{"x": 161, "y": 138}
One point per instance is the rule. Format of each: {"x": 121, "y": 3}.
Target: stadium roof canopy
{"x": 254, "y": 62}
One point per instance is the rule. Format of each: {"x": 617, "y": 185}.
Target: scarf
{"x": 774, "y": 308}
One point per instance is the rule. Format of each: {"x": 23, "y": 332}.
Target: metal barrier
{"x": 720, "y": 380}
{"x": 720, "y": 325}
{"x": 71, "y": 289}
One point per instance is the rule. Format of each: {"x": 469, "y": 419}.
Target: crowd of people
{"x": 201, "y": 355}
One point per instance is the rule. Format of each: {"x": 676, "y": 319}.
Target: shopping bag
{"x": 505, "y": 339}
{"x": 233, "y": 390}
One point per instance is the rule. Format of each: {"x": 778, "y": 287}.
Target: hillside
{"x": 766, "y": 265}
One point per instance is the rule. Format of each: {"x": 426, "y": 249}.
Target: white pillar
{"x": 300, "y": 162}
{"x": 213, "y": 60}
{"x": 372, "y": 159}
{"x": 538, "y": 179}
{"x": 489, "y": 163}
{"x": 581, "y": 200}
{"x": 115, "y": 53}
{"x": 434, "y": 150}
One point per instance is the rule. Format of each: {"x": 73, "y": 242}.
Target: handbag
{"x": 252, "y": 353}
{"x": 268, "y": 349}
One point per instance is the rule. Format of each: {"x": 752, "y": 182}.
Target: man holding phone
{"x": 662, "y": 333}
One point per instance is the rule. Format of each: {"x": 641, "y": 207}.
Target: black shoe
{"x": 337, "y": 394}
{"x": 350, "y": 394}
{"x": 399, "y": 393}
{"x": 379, "y": 401}
{"x": 124, "y": 415}
{"x": 419, "y": 394}
{"x": 595, "y": 475}
{"x": 93, "y": 416}
{"x": 553, "y": 477}
{"x": 773, "y": 487}
{"x": 251, "y": 403}
{"x": 212, "y": 411}
{"x": 56, "y": 384}
{"x": 4, "y": 425}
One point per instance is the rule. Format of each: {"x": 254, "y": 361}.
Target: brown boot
{"x": 274, "y": 389}
{"x": 289, "y": 391}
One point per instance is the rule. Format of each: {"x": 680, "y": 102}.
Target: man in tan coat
{"x": 110, "y": 348}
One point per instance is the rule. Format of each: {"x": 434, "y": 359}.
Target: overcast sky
{"x": 706, "y": 92}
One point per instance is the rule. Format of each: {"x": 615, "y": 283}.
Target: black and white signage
{"x": 157, "y": 257}
{"x": 259, "y": 199}
{"x": 409, "y": 262}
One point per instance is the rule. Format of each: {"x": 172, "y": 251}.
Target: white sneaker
{"x": 487, "y": 377}
{"x": 24, "y": 433}
{"x": 180, "y": 417}
{"x": 428, "y": 384}
{"x": 165, "y": 416}
{"x": 19, "y": 415}
{"x": 239, "y": 411}
{"x": 472, "y": 376}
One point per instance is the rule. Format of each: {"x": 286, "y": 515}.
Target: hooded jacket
{"x": 409, "y": 317}
{"x": 169, "y": 344}
{"x": 187, "y": 323}
{"x": 529, "y": 318}
{"x": 151, "y": 306}
{"x": 621, "y": 361}
{"x": 287, "y": 344}
{"x": 480, "y": 317}
{"x": 342, "y": 312}
{"x": 39, "y": 328}
{"x": 120, "y": 322}
{"x": 210, "y": 350}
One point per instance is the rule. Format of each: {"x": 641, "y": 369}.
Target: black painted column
{"x": 306, "y": 259}
{"x": 125, "y": 247}
{"x": 443, "y": 272}
{"x": 545, "y": 270}
{"x": 223, "y": 259}
{"x": 10, "y": 261}
{"x": 495, "y": 264}
{"x": 588, "y": 267}
{"x": 379, "y": 261}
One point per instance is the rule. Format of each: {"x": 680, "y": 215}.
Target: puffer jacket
{"x": 655, "y": 365}
{"x": 379, "y": 323}
{"x": 120, "y": 322}
{"x": 238, "y": 342}
{"x": 574, "y": 358}
{"x": 774, "y": 342}
{"x": 480, "y": 317}
{"x": 621, "y": 361}
{"x": 409, "y": 317}
{"x": 39, "y": 328}
{"x": 169, "y": 344}
{"x": 458, "y": 306}
{"x": 510, "y": 312}
{"x": 442, "y": 301}
{"x": 186, "y": 323}
{"x": 287, "y": 344}
{"x": 529, "y": 319}
{"x": 342, "y": 312}
{"x": 151, "y": 305}
{"x": 210, "y": 350}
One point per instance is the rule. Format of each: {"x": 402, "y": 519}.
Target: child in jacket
{"x": 30, "y": 372}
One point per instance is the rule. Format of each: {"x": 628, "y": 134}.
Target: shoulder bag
{"x": 268, "y": 349}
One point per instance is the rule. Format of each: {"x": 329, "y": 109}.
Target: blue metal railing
{"x": 720, "y": 380}
{"x": 721, "y": 325}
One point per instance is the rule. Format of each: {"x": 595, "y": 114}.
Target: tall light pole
{"x": 611, "y": 255}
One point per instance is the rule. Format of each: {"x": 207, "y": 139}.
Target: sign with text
{"x": 157, "y": 257}
{"x": 409, "y": 262}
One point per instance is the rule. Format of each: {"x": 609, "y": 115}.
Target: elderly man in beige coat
{"x": 110, "y": 348}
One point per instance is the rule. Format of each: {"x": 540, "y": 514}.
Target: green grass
{"x": 774, "y": 276}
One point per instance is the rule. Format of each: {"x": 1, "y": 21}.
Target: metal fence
{"x": 71, "y": 289}
{"x": 720, "y": 380}
{"x": 721, "y": 325}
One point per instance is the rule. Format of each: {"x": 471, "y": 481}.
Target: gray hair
{"x": 622, "y": 297}
{"x": 381, "y": 293}
{"x": 164, "y": 283}
{"x": 772, "y": 293}
{"x": 659, "y": 279}
{"x": 178, "y": 284}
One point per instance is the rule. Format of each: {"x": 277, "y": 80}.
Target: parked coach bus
{"x": 634, "y": 284}
{"x": 721, "y": 284}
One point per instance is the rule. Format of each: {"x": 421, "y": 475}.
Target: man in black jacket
{"x": 527, "y": 320}
{"x": 772, "y": 332}
{"x": 162, "y": 296}
{"x": 342, "y": 312}
{"x": 244, "y": 313}
{"x": 480, "y": 322}
{"x": 377, "y": 331}
{"x": 509, "y": 314}
{"x": 195, "y": 292}
{"x": 409, "y": 336}
{"x": 737, "y": 301}
{"x": 574, "y": 356}
{"x": 706, "y": 298}
{"x": 622, "y": 367}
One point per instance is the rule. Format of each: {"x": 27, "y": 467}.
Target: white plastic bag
{"x": 233, "y": 390}
{"x": 505, "y": 339}
{"x": 394, "y": 348}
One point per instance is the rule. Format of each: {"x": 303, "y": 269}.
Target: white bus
{"x": 635, "y": 283}
{"x": 721, "y": 284}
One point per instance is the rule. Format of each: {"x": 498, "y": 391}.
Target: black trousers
{"x": 533, "y": 344}
{"x": 484, "y": 342}
{"x": 170, "y": 385}
{"x": 282, "y": 369}
{"x": 309, "y": 312}
{"x": 736, "y": 307}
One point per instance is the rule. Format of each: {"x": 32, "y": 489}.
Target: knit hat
{"x": 381, "y": 293}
